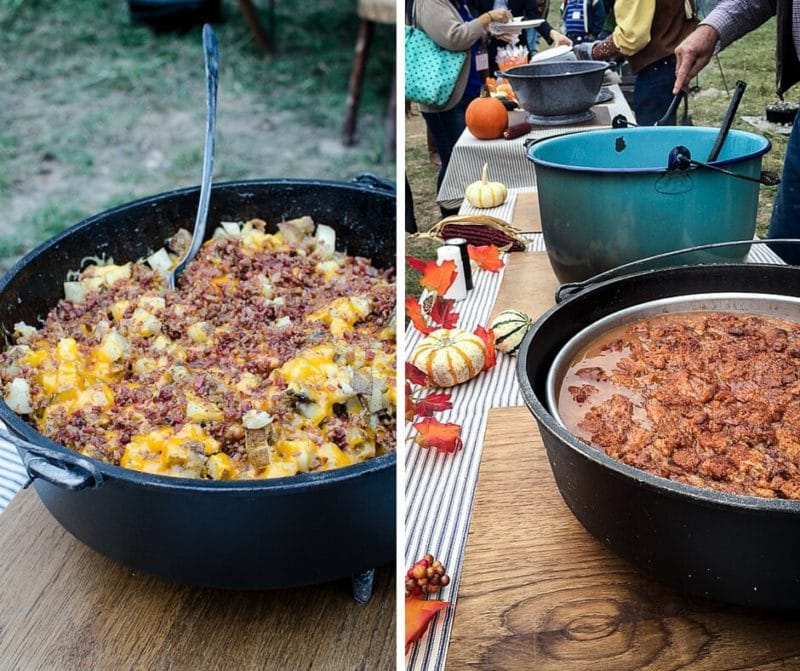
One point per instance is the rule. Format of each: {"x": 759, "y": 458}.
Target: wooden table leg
{"x": 365, "y": 32}
{"x": 251, "y": 17}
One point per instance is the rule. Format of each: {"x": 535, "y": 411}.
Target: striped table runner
{"x": 12, "y": 473}
{"x": 439, "y": 488}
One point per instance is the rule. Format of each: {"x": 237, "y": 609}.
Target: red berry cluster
{"x": 426, "y": 577}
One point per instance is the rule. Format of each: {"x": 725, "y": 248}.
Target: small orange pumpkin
{"x": 450, "y": 356}
{"x": 486, "y": 117}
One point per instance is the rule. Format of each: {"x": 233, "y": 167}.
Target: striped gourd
{"x": 449, "y": 356}
{"x": 510, "y": 327}
{"x": 484, "y": 194}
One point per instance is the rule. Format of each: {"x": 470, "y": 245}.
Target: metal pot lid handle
{"x": 569, "y": 289}
{"x": 62, "y": 470}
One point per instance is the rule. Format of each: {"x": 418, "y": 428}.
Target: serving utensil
{"x": 211, "y": 52}
{"x": 738, "y": 92}
{"x": 664, "y": 120}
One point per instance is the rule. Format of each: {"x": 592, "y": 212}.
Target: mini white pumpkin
{"x": 484, "y": 194}
{"x": 510, "y": 327}
{"x": 449, "y": 356}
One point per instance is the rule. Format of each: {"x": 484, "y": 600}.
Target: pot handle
{"x": 374, "y": 182}
{"x": 65, "y": 471}
{"x": 569, "y": 289}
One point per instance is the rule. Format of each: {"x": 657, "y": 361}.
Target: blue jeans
{"x": 785, "y": 220}
{"x": 652, "y": 93}
{"x": 446, "y": 128}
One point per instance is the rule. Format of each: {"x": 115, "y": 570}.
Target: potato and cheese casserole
{"x": 274, "y": 356}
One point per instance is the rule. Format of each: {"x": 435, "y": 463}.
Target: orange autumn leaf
{"x": 490, "y": 355}
{"x": 442, "y": 436}
{"x": 436, "y": 277}
{"x": 486, "y": 256}
{"x": 414, "y": 313}
{"x": 419, "y": 613}
{"x": 439, "y": 278}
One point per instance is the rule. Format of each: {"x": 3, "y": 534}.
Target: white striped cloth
{"x": 440, "y": 488}
{"x": 12, "y": 473}
{"x": 506, "y": 158}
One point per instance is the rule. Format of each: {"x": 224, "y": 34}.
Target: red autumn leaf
{"x": 414, "y": 312}
{"x": 436, "y": 277}
{"x": 490, "y": 356}
{"x": 436, "y": 434}
{"x": 435, "y": 401}
{"x": 411, "y": 408}
{"x": 415, "y": 376}
{"x": 419, "y": 613}
{"x": 416, "y": 264}
{"x": 486, "y": 256}
{"x": 442, "y": 313}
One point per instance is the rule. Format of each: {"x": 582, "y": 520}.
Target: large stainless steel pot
{"x": 309, "y": 528}
{"x": 738, "y": 549}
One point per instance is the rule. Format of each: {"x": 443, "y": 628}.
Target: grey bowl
{"x": 557, "y": 89}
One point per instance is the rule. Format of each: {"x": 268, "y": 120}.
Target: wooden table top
{"x": 63, "y": 606}
{"x": 538, "y": 592}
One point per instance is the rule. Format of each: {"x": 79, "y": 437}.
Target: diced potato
{"x": 283, "y": 322}
{"x": 329, "y": 269}
{"x": 119, "y": 309}
{"x": 198, "y": 332}
{"x": 67, "y": 349}
{"x": 74, "y": 292}
{"x": 152, "y": 303}
{"x": 221, "y": 467}
{"x": 160, "y": 261}
{"x": 147, "y": 324}
{"x": 282, "y": 469}
{"x": 231, "y": 228}
{"x": 197, "y": 411}
{"x": 267, "y": 290}
{"x": 113, "y": 347}
{"x": 256, "y": 419}
{"x": 18, "y": 396}
{"x": 326, "y": 241}
{"x": 22, "y": 330}
{"x": 332, "y": 457}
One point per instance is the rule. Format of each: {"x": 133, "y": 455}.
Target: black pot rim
{"x": 659, "y": 484}
{"x": 276, "y": 486}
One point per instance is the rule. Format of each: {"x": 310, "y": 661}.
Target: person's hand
{"x": 559, "y": 39}
{"x": 501, "y": 16}
{"x": 508, "y": 38}
{"x": 583, "y": 51}
{"x": 693, "y": 54}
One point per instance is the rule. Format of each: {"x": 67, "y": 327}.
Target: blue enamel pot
{"x": 608, "y": 197}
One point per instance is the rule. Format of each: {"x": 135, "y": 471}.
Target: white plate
{"x": 560, "y": 53}
{"x": 517, "y": 25}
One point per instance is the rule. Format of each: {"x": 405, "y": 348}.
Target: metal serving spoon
{"x": 212, "y": 75}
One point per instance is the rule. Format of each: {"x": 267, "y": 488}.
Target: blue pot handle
{"x": 62, "y": 470}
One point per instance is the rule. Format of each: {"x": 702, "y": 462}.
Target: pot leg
{"x": 362, "y": 586}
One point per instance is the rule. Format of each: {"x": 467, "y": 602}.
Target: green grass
{"x": 98, "y": 110}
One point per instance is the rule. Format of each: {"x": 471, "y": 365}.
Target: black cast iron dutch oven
{"x": 737, "y": 549}
{"x": 306, "y": 529}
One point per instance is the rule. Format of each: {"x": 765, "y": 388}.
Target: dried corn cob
{"x": 477, "y": 229}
